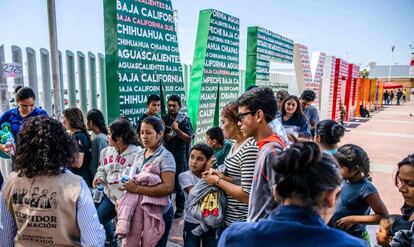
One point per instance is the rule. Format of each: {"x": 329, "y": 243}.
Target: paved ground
{"x": 388, "y": 136}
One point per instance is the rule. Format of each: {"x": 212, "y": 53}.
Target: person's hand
{"x": 117, "y": 205}
{"x": 345, "y": 223}
{"x": 130, "y": 186}
{"x": 4, "y": 148}
{"x": 97, "y": 181}
{"x": 210, "y": 163}
{"x": 174, "y": 125}
{"x": 211, "y": 177}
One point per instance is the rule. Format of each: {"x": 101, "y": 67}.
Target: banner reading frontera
{"x": 142, "y": 56}
{"x": 264, "y": 46}
{"x": 215, "y": 73}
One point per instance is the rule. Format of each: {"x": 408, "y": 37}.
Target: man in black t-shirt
{"x": 178, "y": 135}
{"x": 154, "y": 106}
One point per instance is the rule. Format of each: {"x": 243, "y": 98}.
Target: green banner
{"x": 215, "y": 72}
{"x": 142, "y": 56}
{"x": 264, "y": 46}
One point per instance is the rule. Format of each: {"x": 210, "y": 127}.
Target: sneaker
{"x": 178, "y": 213}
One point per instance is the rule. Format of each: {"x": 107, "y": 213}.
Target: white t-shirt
{"x": 188, "y": 179}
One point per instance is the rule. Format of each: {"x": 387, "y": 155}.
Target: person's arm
{"x": 100, "y": 175}
{"x": 235, "y": 191}
{"x": 180, "y": 133}
{"x": 239, "y": 192}
{"x": 92, "y": 232}
{"x": 163, "y": 189}
{"x": 380, "y": 211}
{"x": 8, "y": 228}
{"x": 304, "y": 128}
{"x": 314, "y": 119}
{"x": 186, "y": 183}
{"x": 79, "y": 161}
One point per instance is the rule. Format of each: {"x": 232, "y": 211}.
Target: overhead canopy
{"x": 391, "y": 85}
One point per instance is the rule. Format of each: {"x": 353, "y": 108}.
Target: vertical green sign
{"x": 142, "y": 56}
{"x": 264, "y": 46}
{"x": 215, "y": 73}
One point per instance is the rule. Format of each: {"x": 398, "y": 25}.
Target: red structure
{"x": 345, "y": 90}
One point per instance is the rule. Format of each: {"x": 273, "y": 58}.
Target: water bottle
{"x": 10, "y": 146}
{"x": 124, "y": 179}
{"x": 98, "y": 193}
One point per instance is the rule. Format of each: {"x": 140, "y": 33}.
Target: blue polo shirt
{"x": 288, "y": 226}
{"x": 16, "y": 120}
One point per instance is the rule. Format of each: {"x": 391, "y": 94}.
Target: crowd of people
{"x": 398, "y": 96}
{"x": 272, "y": 174}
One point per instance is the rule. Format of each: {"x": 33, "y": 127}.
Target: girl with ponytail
{"x": 358, "y": 195}
{"x": 328, "y": 134}
{"x": 307, "y": 184}
{"x": 96, "y": 124}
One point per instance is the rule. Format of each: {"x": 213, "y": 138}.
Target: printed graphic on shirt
{"x": 34, "y": 198}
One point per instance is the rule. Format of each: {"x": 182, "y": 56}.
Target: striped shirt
{"x": 92, "y": 232}
{"x": 240, "y": 165}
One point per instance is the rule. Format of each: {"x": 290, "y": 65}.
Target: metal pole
{"x": 62, "y": 87}
{"x": 70, "y": 74}
{"x": 51, "y": 14}
{"x": 93, "y": 101}
{"x": 102, "y": 86}
{"x": 82, "y": 83}
{"x": 46, "y": 85}
{"x": 32, "y": 69}
{"x": 17, "y": 58}
{"x": 4, "y": 96}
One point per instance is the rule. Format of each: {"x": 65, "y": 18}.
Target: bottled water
{"x": 10, "y": 145}
{"x": 98, "y": 193}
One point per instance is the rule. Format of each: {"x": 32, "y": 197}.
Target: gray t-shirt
{"x": 100, "y": 142}
{"x": 312, "y": 115}
{"x": 261, "y": 201}
{"x": 188, "y": 179}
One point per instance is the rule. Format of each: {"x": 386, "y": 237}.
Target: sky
{"x": 355, "y": 30}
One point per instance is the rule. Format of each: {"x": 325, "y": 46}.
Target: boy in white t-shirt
{"x": 200, "y": 155}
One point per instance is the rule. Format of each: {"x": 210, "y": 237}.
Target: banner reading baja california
{"x": 147, "y": 55}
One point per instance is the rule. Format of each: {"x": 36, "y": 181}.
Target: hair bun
{"x": 297, "y": 158}
{"x": 337, "y": 131}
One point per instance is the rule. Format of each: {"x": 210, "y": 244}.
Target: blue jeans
{"x": 209, "y": 239}
{"x": 106, "y": 212}
{"x": 168, "y": 217}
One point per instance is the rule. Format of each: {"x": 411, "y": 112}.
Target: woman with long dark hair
{"x": 154, "y": 153}
{"x": 114, "y": 162}
{"x": 74, "y": 123}
{"x": 96, "y": 124}
{"x": 42, "y": 202}
{"x": 293, "y": 119}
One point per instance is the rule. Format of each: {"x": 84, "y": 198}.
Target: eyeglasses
{"x": 241, "y": 116}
